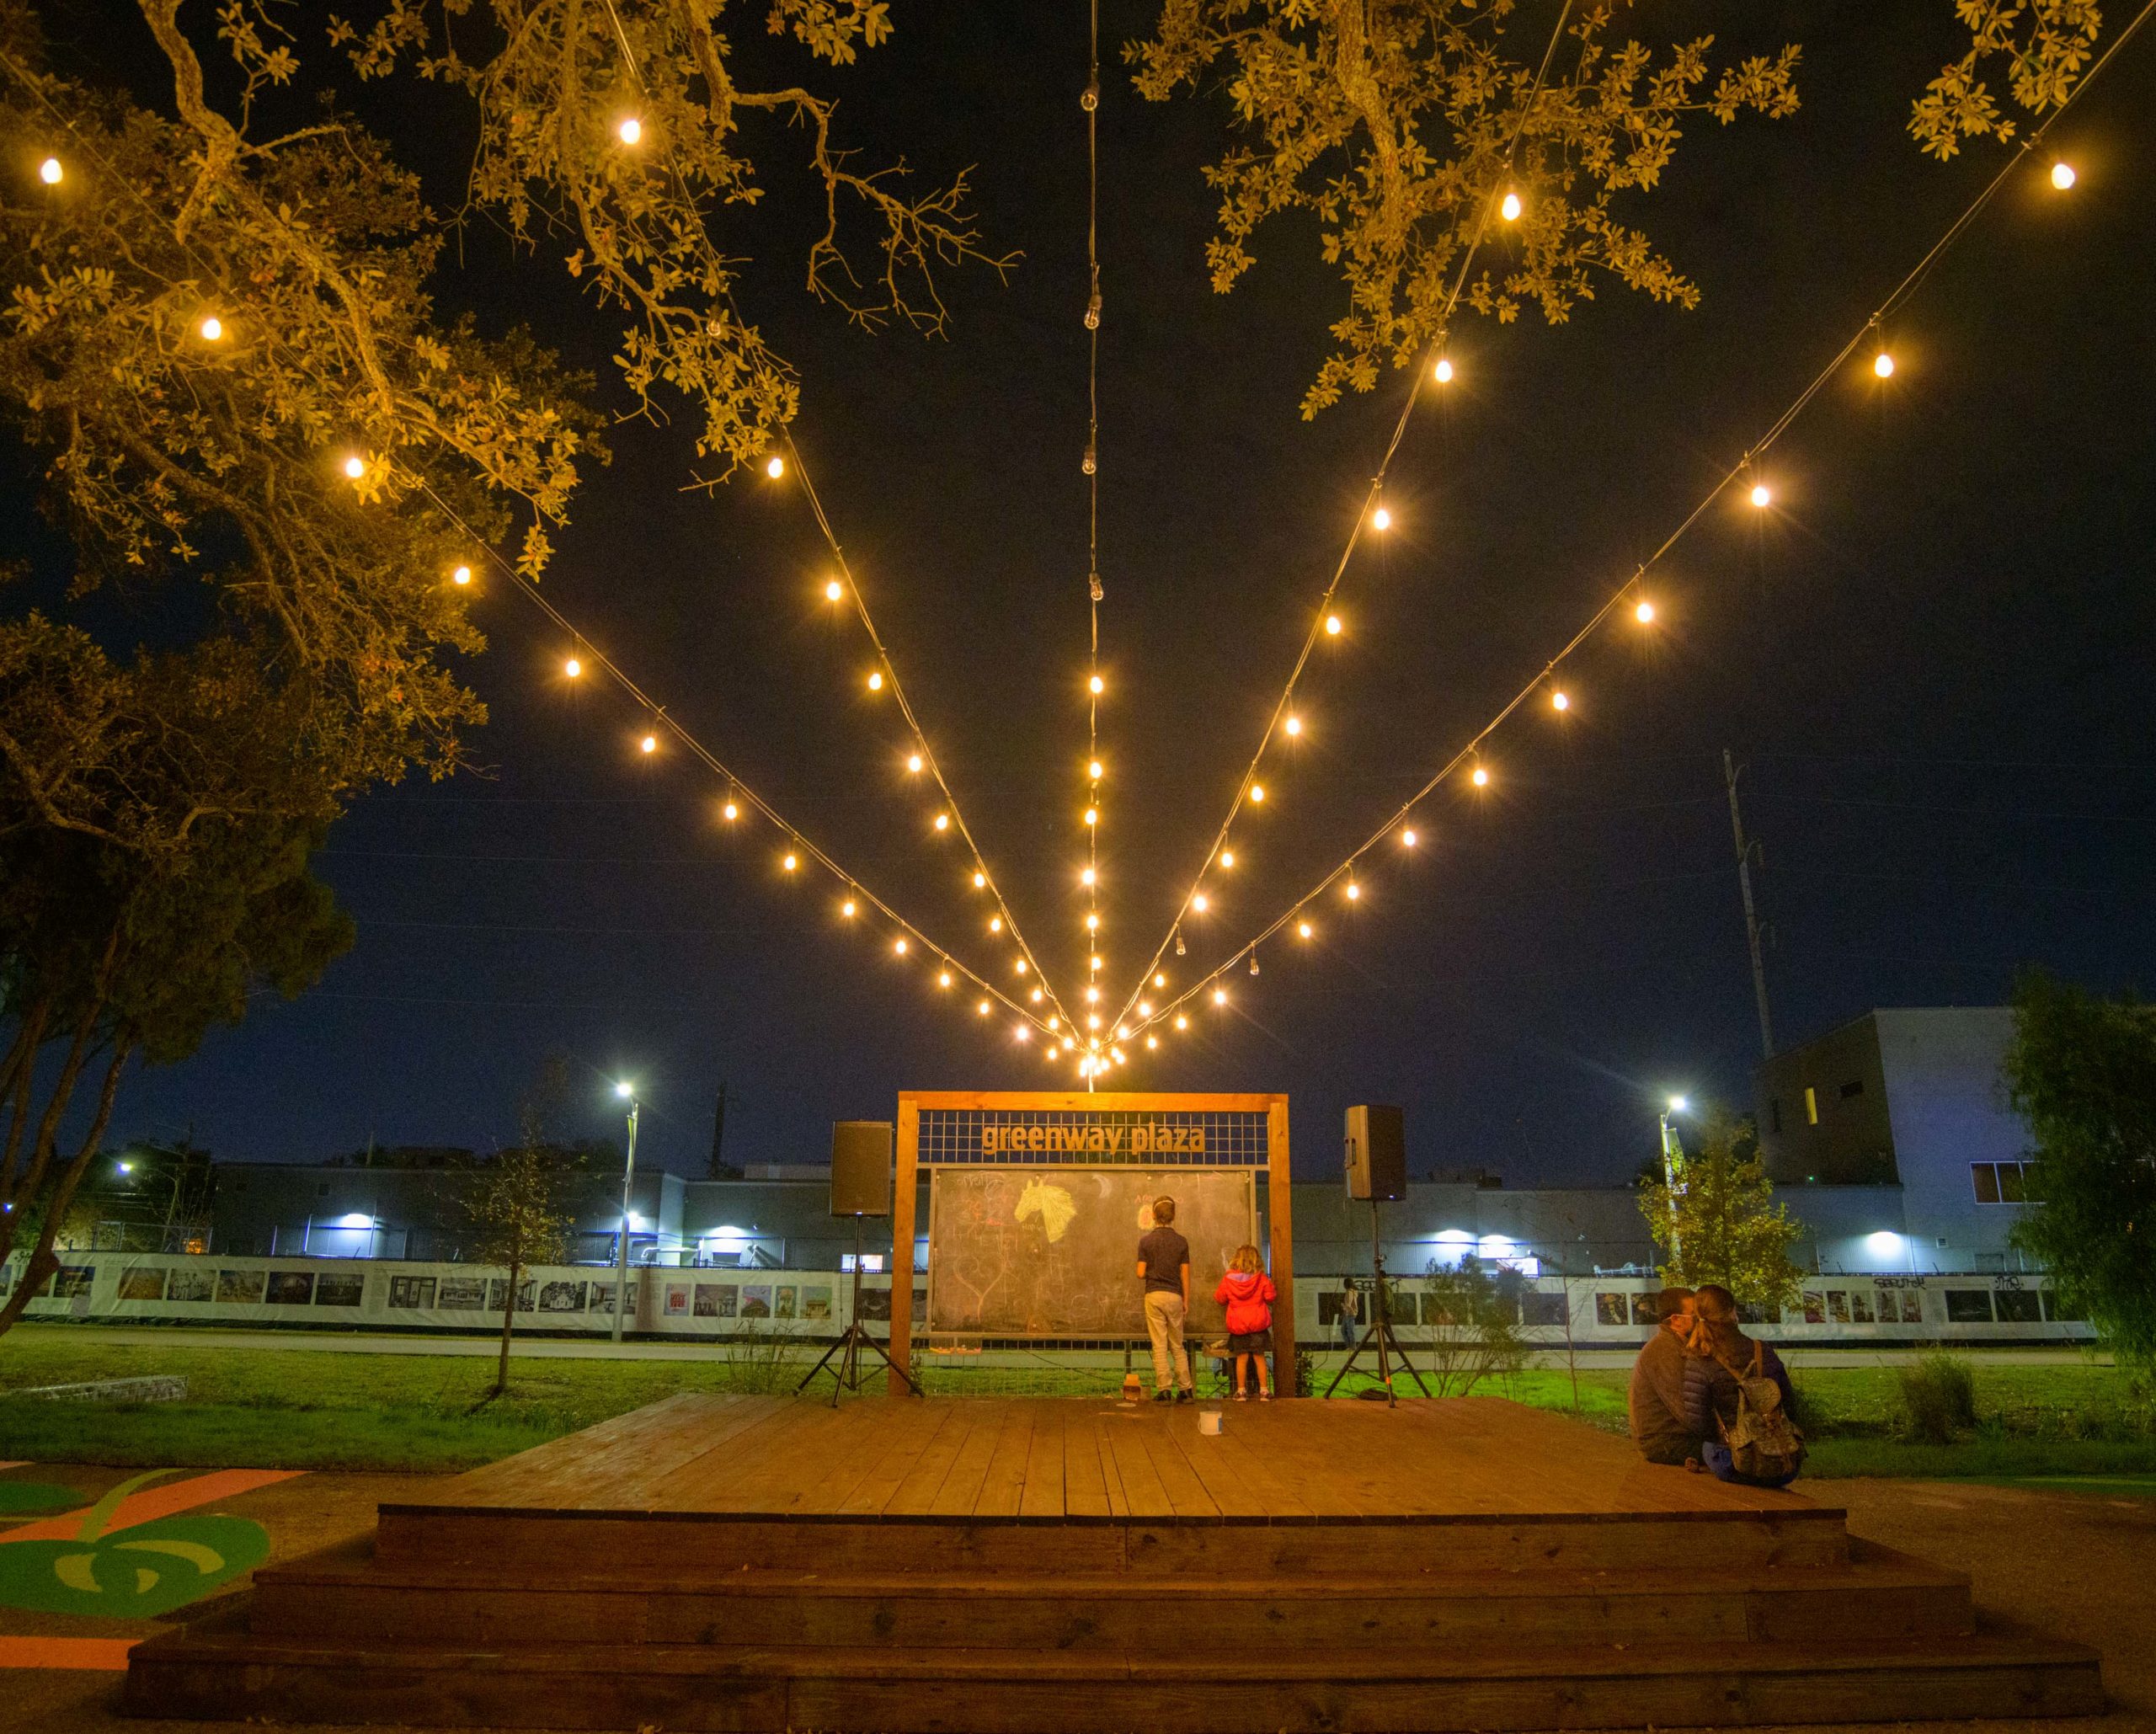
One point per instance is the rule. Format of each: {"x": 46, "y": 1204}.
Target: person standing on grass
{"x": 1656, "y": 1401}
{"x": 1164, "y": 1267}
{"x": 1350, "y": 1311}
{"x": 1248, "y": 1295}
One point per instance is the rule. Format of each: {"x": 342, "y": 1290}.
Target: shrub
{"x": 1941, "y": 1394}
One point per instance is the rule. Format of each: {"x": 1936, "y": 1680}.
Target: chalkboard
{"x": 1042, "y": 1251}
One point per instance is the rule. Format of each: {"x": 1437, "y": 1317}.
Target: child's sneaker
{"x": 1164, "y": 1395}
{"x": 1240, "y": 1397}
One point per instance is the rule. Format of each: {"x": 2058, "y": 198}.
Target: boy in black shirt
{"x": 1164, "y": 1267}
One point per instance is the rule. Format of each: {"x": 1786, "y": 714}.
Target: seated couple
{"x": 1706, "y": 1395}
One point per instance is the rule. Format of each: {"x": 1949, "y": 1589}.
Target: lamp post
{"x": 1672, "y": 1171}
{"x": 627, "y": 1092}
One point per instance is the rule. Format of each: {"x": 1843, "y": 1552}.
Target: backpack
{"x": 1764, "y": 1444}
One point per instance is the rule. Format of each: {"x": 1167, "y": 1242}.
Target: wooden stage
{"x": 761, "y": 1563}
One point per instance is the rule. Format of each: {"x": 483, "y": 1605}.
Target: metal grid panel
{"x": 1086, "y": 1137}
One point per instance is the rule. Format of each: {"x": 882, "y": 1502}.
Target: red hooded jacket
{"x": 1248, "y": 1296}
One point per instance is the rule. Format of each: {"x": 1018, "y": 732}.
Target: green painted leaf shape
{"x": 109, "y": 1576}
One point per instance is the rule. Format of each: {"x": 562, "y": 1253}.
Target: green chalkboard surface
{"x": 1041, "y": 1251}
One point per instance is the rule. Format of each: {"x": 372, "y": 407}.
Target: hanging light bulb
{"x": 1257, "y": 792}
{"x": 1092, "y": 815}
{"x": 1021, "y": 1033}
{"x": 1179, "y": 945}
{"x": 211, "y": 327}
{"x": 1182, "y": 1022}
{"x": 775, "y": 467}
{"x": 1093, "y": 922}
{"x": 1510, "y": 208}
{"x": 833, "y": 590}
{"x": 980, "y": 881}
{"x": 942, "y": 821}
{"x": 2063, "y": 175}
{"x": 846, "y": 909}
{"x": 1201, "y": 903}
{"x": 630, "y": 131}
{"x": 1407, "y": 839}
{"x": 1294, "y": 725}
{"x": 1558, "y": 700}
{"x": 462, "y": 574}
{"x": 1098, "y": 685}
{"x": 1381, "y": 519}
{"x": 899, "y": 946}
{"x": 1160, "y": 978}
{"x": 50, "y": 172}
{"x": 944, "y": 979}
{"x": 1093, "y": 770}
{"x": 983, "y": 1008}
{"x": 1227, "y": 857}
{"x": 1882, "y": 364}
{"x": 574, "y": 667}
{"x": 1481, "y": 777}
{"x": 1332, "y": 625}
{"x": 1036, "y": 997}
{"x": 1643, "y": 611}
{"x": 1094, "y": 961}
{"x": 1219, "y": 996}
{"x": 650, "y": 743}
{"x": 1020, "y": 966}
{"x": 876, "y": 681}
{"x": 913, "y": 763}
{"x": 1152, "y": 1041}
{"x": 995, "y": 924}
{"x": 791, "y": 862}
{"x": 1253, "y": 962}
{"x": 1762, "y": 495}
{"x": 1303, "y": 929}
{"x": 355, "y": 467}
{"x": 1145, "y": 1008}
{"x": 1442, "y": 372}
{"x": 1355, "y": 891}
{"x": 1086, "y": 876}
{"x": 729, "y": 812}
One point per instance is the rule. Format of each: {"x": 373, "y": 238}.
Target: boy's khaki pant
{"x": 1164, "y": 1324}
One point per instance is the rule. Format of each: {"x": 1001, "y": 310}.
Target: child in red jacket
{"x": 1248, "y": 1295}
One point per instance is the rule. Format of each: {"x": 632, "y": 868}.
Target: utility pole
{"x": 1744, "y": 853}
{"x": 627, "y": 1092}
{"x": 718, "y": 1169}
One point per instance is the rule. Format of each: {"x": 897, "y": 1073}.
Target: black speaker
{"x": 861, "y": 1167}
{"x": 1377, "y": 1153}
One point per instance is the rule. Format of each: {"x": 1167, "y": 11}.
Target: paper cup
{"x": 1209, "y": 1420}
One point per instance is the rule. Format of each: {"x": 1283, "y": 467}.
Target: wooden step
{"x": 212, "y": 1675}
{"x": 1454, "y": 1543}
{"x": 389, "y": 1604}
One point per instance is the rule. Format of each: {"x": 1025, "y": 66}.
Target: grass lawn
{"x": 302, "y": 1408}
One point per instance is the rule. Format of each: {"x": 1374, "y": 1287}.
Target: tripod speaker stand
{"x": 1379, "y": 1332}
{"x": 848, "y": 1348}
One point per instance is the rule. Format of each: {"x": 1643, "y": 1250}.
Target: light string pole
{"x": 1633, "y": 589}
{"x": 1497, "y": 199}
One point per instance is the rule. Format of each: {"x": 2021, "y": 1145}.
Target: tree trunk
{"x": 42, "y": 1263}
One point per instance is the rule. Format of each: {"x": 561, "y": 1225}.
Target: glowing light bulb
{"x": 1092, "y": 923}
{"x": 791, "y": 862}
{"x": 1092, "y": 815}
{"x": 1087, "y": 877}
{"x": 1882, "y": 364}
{"x": 630, "y": 131}
{"x": 833, "y": 590}
{"x": 913, "y": 763}
{"x": 1257, "y": 792}
{"x": 982, "y": 1008}
{"x": 50, "y": 172}
{"x": 942, "y": 821}
{"x": 1509, "y": 210}
{"x": 1093, "y": 771}
{"x": 1407, "y": 837}
{"x": 1219, "y": 996}
{"x": 1069, "y": 1046}
{"x": 1022, "y": 1033}
{"x": 944, "y": 979}
{"x": 1152, "y": 1041}
{"x": 2062, "y": 174}
{"x": 1020, "y": 966}
{"x": 1095, "y": 960}
{"x": 980, "y": 881}
{"x": 1097, "y": 684}
{"x": 995, "y": 924}
{"x": 846, "y": 908}
{"x": 1559, "y": 702}
{"x": 1201, "y": 903}
{"x": 1643, "y": 612}
{"x": 1381, "y": 519}
{"x": 212, "y": 328}
{"x": 1294, "y": 725}
{"x": 355, "y": 467}
{"x": 1159, "y": 979}
{"x": 1145, "y": 1008}
{"x": 775, "y": 467}
{"x": 899, "y": 947}
{"x": 1182, "y": 1022}
{"x": 1332, "y": 625}
{"x": 876, "y": 681}
{"x": 1442, "y": 372}
{"x": 730, "y": 812}
{"x": 1093, "y": 1018}
{"x": 1227, "y": 857}
{"x": 1303, "y": 928}
{"x": 1762, "y": 495}
{"x": 461, "y": 575}
{"x": 1036, "y": 999}
{"x": 650, "y": 743}
{"x": 1355, "y": 891}
{"x": 572, "y": 668}
{"x": 1481, "y": 778}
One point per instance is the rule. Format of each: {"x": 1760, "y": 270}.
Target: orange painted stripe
{"x": 99, "y": 1655}
{"x": 162, "y": 1500}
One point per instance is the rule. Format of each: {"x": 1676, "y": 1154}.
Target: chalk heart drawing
{"x": 137, "y": 1572}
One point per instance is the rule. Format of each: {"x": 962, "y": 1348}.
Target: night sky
{"x": 1933, "y": 653}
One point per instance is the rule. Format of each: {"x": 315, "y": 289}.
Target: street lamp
{"x": 627, "y": 1092}
{"x": 1673, "y": 1169}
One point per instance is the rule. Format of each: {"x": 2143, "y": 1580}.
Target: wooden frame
{"x": 1279, "y": 1201}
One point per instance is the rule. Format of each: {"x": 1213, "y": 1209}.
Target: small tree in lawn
{"x": 518, "y": 1206}
{"x": 1715, "y": 1219}
{"x": 2082, "y": 1072}
{"x": 1471, "y": 1313}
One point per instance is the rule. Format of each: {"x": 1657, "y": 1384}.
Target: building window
{"x": 2001, "y": 1182}
{"x": 1855, "y": 1087}
{"x": 1811, "y": 1106}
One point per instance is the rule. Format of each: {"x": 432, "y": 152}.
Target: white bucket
{"x": 1209, "y": 1420}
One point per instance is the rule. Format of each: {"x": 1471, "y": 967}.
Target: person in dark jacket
{"x": 1717, "y": 1354}
{"x": 1248, "y": 1295}
{"x": 1656, "y": 1401}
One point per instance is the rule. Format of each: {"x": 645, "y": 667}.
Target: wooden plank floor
{"x": 1056, "y": 1460}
